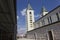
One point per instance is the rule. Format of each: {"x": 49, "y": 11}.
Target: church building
{"x": 47, "y": 27}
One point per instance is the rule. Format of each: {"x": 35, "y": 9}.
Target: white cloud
{"x": 23, "y": 12}
{"x": 36, "y": 15}
{"x": 17, "y": 17}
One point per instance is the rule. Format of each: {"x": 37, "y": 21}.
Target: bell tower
{"x": 29, "y": 18}
{"x": 43, "y": 11}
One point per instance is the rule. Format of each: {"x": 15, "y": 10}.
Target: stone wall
{"x": 42, "y": 33}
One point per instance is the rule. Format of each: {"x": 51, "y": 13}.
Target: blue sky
{"x": 36, "y": 5}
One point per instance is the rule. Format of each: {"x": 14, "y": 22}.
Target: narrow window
{"x": 50, "y": 35}
{"x": 57, "y": 16}
{"x": 30, "y": 20}
{"x": 50, "y": 19}
{"x": 30, "y": 12}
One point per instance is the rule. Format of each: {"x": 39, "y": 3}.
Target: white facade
{"x": 29, "y": 18}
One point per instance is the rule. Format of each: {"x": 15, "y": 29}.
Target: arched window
{"x": 30, "y": 12}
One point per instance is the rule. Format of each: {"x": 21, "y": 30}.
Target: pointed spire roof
{"x": 44, "y": 9}
{"x": 29, "y": 7}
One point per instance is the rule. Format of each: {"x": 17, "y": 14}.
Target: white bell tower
{"x": 43, "y": 11}
{"x": 29, "y": 18}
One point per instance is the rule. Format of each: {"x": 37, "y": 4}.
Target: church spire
{"x": 44, "y": 11}
{"x": 29, "y": 7}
